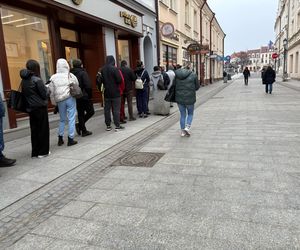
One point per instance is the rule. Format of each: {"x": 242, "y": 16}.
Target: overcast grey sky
{"x": 248, "y": 24}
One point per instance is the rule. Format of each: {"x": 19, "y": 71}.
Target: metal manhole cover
{"x": 139, "y": 159}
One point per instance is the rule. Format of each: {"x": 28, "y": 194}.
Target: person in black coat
{"x": 85, "y": 107}
{"x": 142, "y": 95}
{"x": 129, "y": 78}
{"x": 36, "y": 95}
{"x": 246, "y": 74}
{"x": 269, "y": 77}
{"x": 112, "y": 81}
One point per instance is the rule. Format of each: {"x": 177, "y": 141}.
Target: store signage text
{"x": 129, "y": 19}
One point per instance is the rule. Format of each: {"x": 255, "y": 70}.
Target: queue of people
{"x": 117, "y": 87}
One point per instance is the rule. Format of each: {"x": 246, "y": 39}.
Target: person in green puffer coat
{"x": 187, "y": 84}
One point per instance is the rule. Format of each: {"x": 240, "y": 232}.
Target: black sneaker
{"x": 86, "y": 133}
{"x": 77, "y": 129}
{"x": 119, "y": 128}
{"x": 123, "y": 122}
{"x": 108, "y": 128}
{"x": 6, "y": 162}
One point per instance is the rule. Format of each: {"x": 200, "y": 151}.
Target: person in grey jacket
{"x": 187, "y": 84}
{"x": 36, "y": 96}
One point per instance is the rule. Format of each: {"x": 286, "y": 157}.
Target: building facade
{"x": 287, "y": 43}
{"x": 46, "y": 30}
{"x": 190, "y": 35}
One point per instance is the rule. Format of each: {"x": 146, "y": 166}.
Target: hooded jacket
{"x": 84, "y": 82}
{"x": 59, "y": 82}
{"x": 111, "y": 79}
{"x": 129, "y": 78}
{"x": 186, "y": 85}
{"x": 154, "y": 78}
{"x": 34, "y": 90}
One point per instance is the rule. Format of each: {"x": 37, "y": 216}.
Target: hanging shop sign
{"x": 129, "y": 19}
{"x": 196, "y": 48}
{"x": 167, "y": 29}
{"x": 77, "y": 2}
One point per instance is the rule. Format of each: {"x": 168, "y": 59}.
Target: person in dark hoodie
{"x": 84, "y": 105}
{"x": 36, "y": 96}
{"x": 112, "y": 81}
{"x": 269, "y": 77}
{"x": 142, "y": 95}
{"x": 187, "y": 84}
{"x": 129, "y": 78}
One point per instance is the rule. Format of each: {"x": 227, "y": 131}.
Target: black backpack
{"x": 160, "y": 83}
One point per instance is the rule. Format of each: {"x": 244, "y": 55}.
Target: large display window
{"x": 26, "y": 36}
{"x": 169, "y": 55}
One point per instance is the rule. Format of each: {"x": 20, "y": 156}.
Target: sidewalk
{"x": 234, "y": 184}
{"x": 32, "y": 174}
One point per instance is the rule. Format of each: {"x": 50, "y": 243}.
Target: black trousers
{"x": 85, "y": 110}
{"x": 246, "y": 80}
{"x": 113, "y": 104}
{"x": 39, "y": 127}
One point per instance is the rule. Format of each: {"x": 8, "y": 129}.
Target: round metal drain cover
{"x": 139, "y": 159}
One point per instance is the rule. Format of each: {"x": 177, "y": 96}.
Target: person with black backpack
{"x": 84, "y": 104}
{"x": 160, "y": 87}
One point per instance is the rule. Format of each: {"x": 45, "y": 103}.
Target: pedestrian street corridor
{"x": 233, "y": 184}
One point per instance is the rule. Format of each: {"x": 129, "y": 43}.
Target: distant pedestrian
{"x": 84, "y": 104}
{"x": 187, "y": 84}
{"x": 60, "y": 96}
{"x": 35, "y": 92}
{"x": 142, "y": 95}
{"x": 262, "y": 73}
{"x": 246, "y": 74}
{"x": 112, "y": 81}
{"x": 4, "y": 162}
{"x": 129, "y": 78}
{"x": 269, "y": 77}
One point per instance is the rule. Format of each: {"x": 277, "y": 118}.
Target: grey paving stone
{"x": 116, "y": 215}
{"x": 75, "y": 209}
{"x": 31, "y": 241}
{"x": 106, "y": 183}
{"x": 67, "y": 245}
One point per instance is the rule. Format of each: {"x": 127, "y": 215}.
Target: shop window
{"x": 169, "y": 55}
{"x": 26, "y": 36}
{"x": 123, "y": 49}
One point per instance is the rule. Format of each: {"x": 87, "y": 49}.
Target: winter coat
{"x": 246, "y": 73}
{"x": 129, "y": 78}
{"x": 34, "y": 90}
{"x": 111, "y": 78}
{"x": 59, "y": 82}
{"x": 154, "y": 78}
{"x": 269, "y": 76}
{"x": 187, "y": 84}
{"x": 145, "y": 78}
{"x": 84, "y": 82}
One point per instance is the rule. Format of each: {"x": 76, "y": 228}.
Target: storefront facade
{"x": 47, "y": 30}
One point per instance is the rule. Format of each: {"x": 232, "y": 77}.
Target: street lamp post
{"x": 285, "y": 45}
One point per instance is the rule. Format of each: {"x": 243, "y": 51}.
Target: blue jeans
{"x": 1, "y": 136}
{"x": 186, "y": 119}
{"x": 67, "y": 110}
{"x": 142, "y": 100}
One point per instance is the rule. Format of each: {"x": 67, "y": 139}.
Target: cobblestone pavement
{"x": 234, "y": 184}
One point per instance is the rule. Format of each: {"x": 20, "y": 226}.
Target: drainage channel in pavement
{"x": 42, "y": 204}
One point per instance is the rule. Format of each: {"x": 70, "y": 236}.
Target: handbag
{"x": 75, "y": 90}
{"x": 139, "y": 84}
{"x": 170, "y": 96}
{"x": 17, "y": 100}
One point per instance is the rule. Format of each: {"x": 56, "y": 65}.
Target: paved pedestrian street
{"x": 234, "y": 184}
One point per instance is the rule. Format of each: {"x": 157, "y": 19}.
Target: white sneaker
{"x": 183, "y": 133}
{"x": 43, "y": 156}
{"x": 187, "y": 131}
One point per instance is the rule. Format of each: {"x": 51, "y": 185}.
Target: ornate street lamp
{"x": 285, "y": 47}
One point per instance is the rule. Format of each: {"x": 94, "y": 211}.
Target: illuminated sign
{"x": 129, "y": 19}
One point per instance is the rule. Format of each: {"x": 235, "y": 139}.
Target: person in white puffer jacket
{"x": 59, "y": 87}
